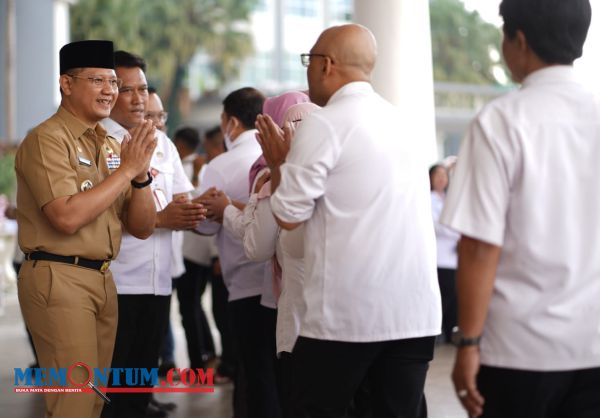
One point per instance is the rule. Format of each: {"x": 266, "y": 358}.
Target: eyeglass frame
{"x": 94, "y": 81}
{"x": 162, "y": 115}
{"x": 305, "y": 58}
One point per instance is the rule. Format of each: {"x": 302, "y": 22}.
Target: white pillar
{"x": 10, "y": 81}
{"x": 404, "y": 70}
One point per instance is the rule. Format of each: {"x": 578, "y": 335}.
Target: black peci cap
{"x": 91, "y": 54}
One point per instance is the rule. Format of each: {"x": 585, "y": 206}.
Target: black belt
{"x": 100, "y": 265}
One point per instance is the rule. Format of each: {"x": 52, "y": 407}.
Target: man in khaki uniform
{"x": 73, "y": 198}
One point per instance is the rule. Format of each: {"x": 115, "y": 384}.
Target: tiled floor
{"x": 15, "y": 352}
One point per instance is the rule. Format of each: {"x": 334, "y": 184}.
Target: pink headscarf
{"x": 294, "y": 114}
{"x": 276, "y": 107}
{"x": 297, "y": 112}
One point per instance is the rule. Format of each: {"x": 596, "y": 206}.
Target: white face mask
{"x": 227, "y": 137}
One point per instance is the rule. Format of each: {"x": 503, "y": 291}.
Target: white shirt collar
{"x": 243, "y": 138}
{"x": 551, "y": 75}
{"x": 355, "y": 87}
{"x": 114, "y": 129}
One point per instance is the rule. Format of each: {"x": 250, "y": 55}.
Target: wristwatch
{"x": 142, "y": 185}
{"x": 459, "y": 339}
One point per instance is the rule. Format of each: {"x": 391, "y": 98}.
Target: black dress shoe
{"x": 153, "y": 411}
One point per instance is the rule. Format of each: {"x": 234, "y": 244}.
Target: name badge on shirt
{"x": 84, "y": 161}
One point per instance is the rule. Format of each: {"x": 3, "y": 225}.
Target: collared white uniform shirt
{"x": 369, "y": 248}
{"x": 229, "y": 172}
{"x": 196, "y": 248}
{"x": 527, "y": 181}
{"x": 144, "y": 266}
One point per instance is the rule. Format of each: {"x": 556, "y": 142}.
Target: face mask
{"x": 227, "y": 137}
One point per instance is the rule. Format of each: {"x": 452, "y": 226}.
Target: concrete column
{"x": 404, "y": 71}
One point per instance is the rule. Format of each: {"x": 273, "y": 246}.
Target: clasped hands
{"x": 181, "y": 214}
{"x": 214, "y": 201}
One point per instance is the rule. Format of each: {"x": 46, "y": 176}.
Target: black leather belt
{"x": 100, "y": 265}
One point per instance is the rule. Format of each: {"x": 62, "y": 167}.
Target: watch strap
{"x": 139, "y": 185}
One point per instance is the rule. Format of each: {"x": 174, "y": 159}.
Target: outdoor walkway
{"x": 15, "y": 352}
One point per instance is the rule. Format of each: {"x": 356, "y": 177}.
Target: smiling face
{"x": 84, "y": 99}
{"x": 130, "y": 107}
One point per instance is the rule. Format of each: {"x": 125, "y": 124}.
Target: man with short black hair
{"x": 143, "y": 271}
{"x": 244, "y": 279}
{"x": 522, "y": 198}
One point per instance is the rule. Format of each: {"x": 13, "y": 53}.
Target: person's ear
{"x": 65, "y": 83}
{"x": 521, "y": 42}
{"x": 327, "y": 65}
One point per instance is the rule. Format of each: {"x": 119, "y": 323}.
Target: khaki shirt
{"x": 62, "y": 157}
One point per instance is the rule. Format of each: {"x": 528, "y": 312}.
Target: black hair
{"x": 555, "y": 29}
{"x": 151, "y": 90}
{"x": 129, "y": 60}
{"x": 245, "y": 104}
{"x": 189, "y": 136}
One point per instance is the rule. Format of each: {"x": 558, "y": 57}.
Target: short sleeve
{"x": 478, "y": 197}
{"x": 44, "y": 163}
{"x": 181, "y": 182}
{"x": 314, "y": 152}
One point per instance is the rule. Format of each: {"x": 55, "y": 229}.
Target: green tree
{"x": 168, "y": 34}
{"x": 462, "y": 43}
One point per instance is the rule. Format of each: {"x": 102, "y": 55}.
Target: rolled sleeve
{"x": 181, "y": 182}
{"x": 478, "y": 197}
{"x": 44, "y": 163}
{"x": 314, "y": 152}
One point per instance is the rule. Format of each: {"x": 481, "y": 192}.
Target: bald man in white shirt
{"x": 362, "y": 193}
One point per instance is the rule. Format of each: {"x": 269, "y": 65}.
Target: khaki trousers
{"x": 71, "y": 313}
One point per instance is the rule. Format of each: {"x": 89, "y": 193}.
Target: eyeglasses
{"x": 113, "y": 83}
{"x": 157, "y": 116}
{"x": 305, "y": 58}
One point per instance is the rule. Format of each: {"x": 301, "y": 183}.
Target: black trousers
{"x": 254, "y": 327}
{"x": 190, "y": 287}
{"x": 328, "y": 374}
{"x": 140, "y": 330}
{"x": 447, "y": 281}
{"x": 222, "y": 315}
{"x": 513, "y": 393}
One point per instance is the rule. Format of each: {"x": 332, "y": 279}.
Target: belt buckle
{"x": 105, "y": 265}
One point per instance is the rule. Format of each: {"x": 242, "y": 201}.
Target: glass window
{"x": 341, "y": 10}
{"x": 302, "y": 7}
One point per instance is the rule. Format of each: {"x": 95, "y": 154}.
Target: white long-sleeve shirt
{"x": 229, "y": 172}
{"x": 369, "y": 248}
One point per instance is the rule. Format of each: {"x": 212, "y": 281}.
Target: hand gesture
{"x": 464, "y": 377}
{"x": 215, "y": 205}
{"x": 137, "y": 149}
{"x": 181, "y": 214}
{"x": 274, "y": 141}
